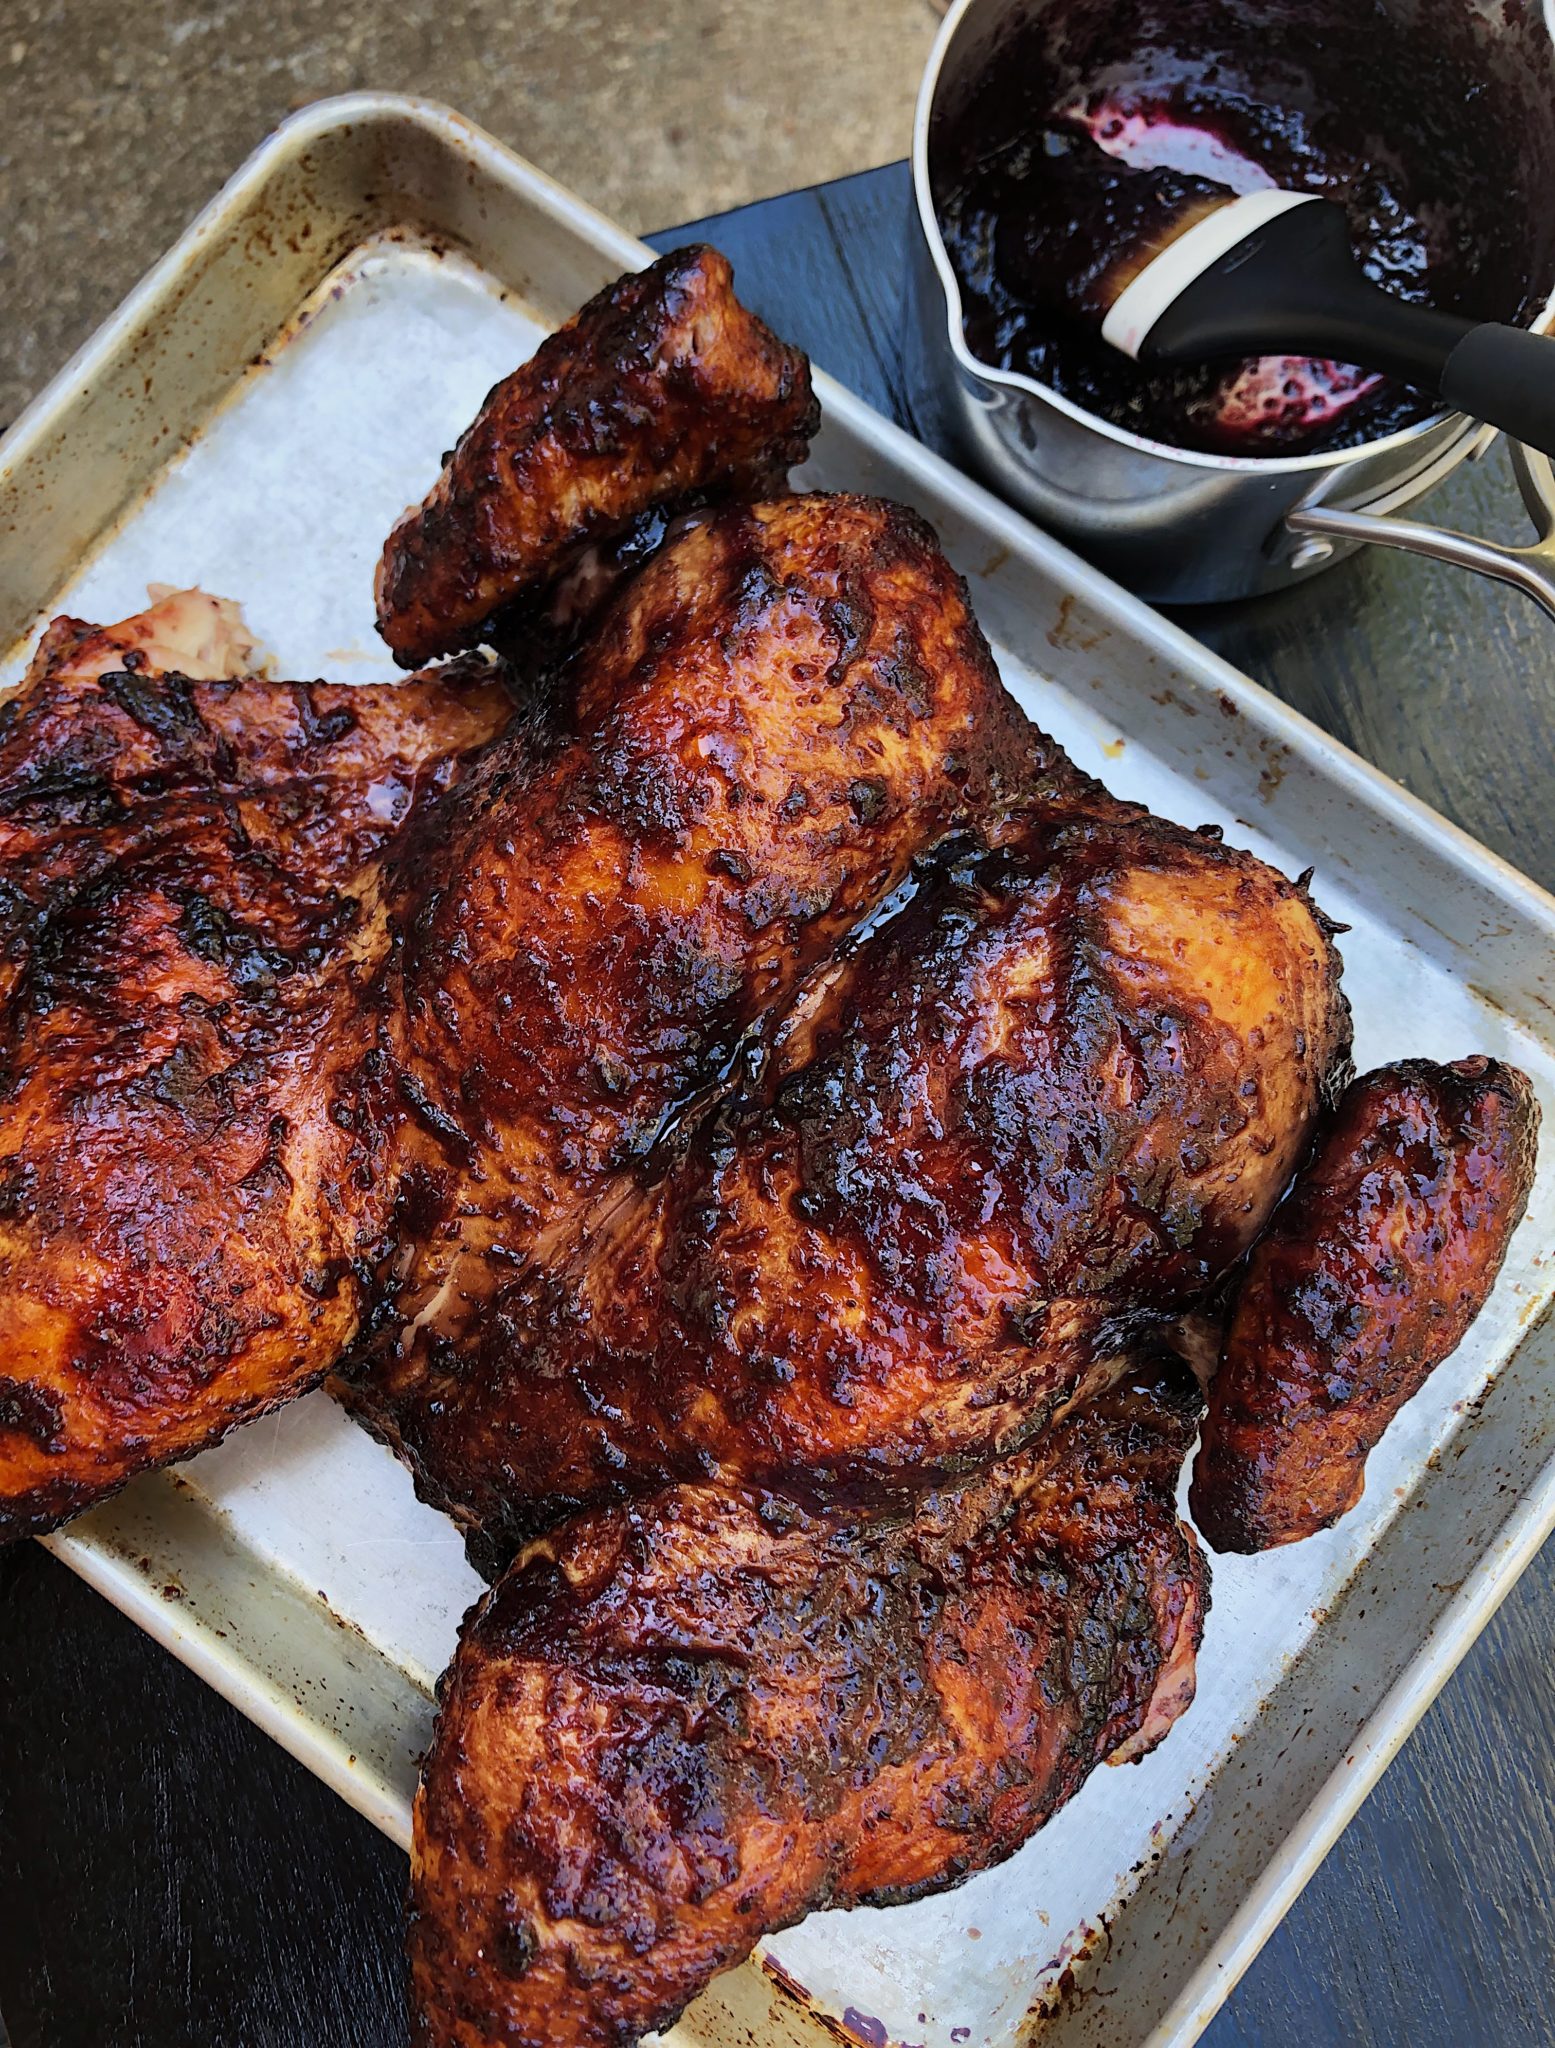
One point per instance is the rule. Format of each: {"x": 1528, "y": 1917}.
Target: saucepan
{"x": 1193, "y": 525}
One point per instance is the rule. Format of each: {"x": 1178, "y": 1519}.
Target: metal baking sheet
{"x": 252, "y": 420}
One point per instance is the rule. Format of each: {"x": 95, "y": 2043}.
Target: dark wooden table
{"x": 170, "y": 1879}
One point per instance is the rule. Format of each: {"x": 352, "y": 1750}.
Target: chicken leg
{"x": 679, "y": 1726}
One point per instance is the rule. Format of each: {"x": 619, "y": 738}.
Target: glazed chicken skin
{"x": 663, "y": 392}
{"x": 187, "y": 919}
{"x": 679, "y": 1725}
{"x": 112, "y": 726}
{"x": 1005, "y": 1139}
{"x": 770, "y": 723}
{"x": 1374, "y": 1268}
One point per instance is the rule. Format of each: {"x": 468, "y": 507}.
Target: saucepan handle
{"x": 1531, "y": 569}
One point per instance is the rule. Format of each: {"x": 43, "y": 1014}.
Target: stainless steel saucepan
{"x": 1186, "y": 527}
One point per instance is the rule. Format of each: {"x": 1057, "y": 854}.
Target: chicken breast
{"x": 778, "y": 716}
{"x": 1025, "y": 1122}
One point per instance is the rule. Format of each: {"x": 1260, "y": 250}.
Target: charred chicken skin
{"x": 396, "y": 1099}
{"x": 741, "y": 1112}
{"x": 678, "y": 1725}
{"x": 1373, "y": 1269}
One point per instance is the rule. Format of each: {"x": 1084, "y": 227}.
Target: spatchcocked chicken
{"x": 749, "y": 1123}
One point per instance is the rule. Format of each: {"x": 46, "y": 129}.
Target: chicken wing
{"x": 662, "y": 392}
{"x": 1032, "y": 1117}
{"x": 1372, "y": 1271}
{"x": 678, "y": 1726}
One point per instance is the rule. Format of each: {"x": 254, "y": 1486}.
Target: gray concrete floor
{"x": 119, "y": 118}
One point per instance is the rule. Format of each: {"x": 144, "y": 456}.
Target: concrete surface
{"x": 119, "y": 118}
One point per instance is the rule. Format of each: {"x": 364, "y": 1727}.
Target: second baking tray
{"x": 253, "y": 420}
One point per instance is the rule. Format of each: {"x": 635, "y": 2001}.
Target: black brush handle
{"x": 1293, "y": 287}
{"x": 1507, "y": 376}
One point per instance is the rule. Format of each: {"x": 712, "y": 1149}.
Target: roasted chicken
{"x": 192, "y": 1134}
{"x": 783, "y": 709}
{"x": 742, "y": 1115}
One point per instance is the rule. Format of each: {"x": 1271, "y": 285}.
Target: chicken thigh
{"x": 190, "y": 919}
{"x": 678, "y": 1726}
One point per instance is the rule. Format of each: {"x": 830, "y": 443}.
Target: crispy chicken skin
{"x": 662, "y": 392}
{"x": 1376, "y": 1265}
{"x": 677, "y": 1726}
{"x": 1004, "y": 1139}
{"x": 187, "y": 914}
{"x": 773, "y": 720}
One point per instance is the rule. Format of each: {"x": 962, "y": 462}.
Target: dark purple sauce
{"x": 1063, "y": 139}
